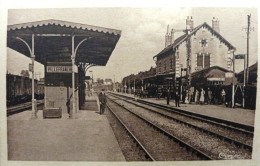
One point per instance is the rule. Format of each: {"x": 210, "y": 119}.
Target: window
{"x": 200, "y": 60}
{"x": 171, "y": 63}
{"x": 203, "y": 60}
{"x": 206, "y": 61}
{"x": 177, "y": 54}
{"x": 159, "y": 67}
{"x": 203, "y": 42}
{"x": 165, "y": 66}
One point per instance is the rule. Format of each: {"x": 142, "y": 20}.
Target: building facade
{"x": 207, "y": 48}
{"x": 197, "y": 49}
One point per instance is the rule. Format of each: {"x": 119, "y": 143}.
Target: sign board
{"x": 87, "y": 78}
{"x": 30, "y": 67}
{"x": 168, "y": 78}
{"x": 59, "y": 69}
{"x": 240, "y": 56}
{"x": 216, "y": 79}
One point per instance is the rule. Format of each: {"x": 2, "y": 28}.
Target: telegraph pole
{"x": 188, "y": 45}
{"x": 247, "y": 57}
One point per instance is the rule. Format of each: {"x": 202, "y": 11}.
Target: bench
{"x": 52, "y": 113}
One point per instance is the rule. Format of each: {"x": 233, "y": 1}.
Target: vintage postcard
{"x": 121, "y": 85}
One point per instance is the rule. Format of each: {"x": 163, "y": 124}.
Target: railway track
{"x": 240, "y": 128}
{"x": 245, "y": 129}
{"x": 241, "y": 140}
{"x": 157, "y": 143}
{"x": 147, "y": 155}
{"x": 22, "y": 107}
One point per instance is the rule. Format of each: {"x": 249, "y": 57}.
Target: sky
{"x": 143, "y": 32}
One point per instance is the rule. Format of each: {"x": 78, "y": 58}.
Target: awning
{"x": 53, "y": 40}
{"x": 211, "y": 75}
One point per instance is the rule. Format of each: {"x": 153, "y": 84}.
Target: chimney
{"x": 215, "y": 24}
{"x": 167, "y": 37}
{"x": 189, "y": 23}
{"x": 172, "y": 36}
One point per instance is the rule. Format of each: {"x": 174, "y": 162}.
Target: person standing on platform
{"x": 197, "y": 96}
{"x": 223, "y": 96}
{"x": 183, "y": 96}
{"x": 209, "y": 96}
{"x": 202, "y": 93}
{"x": 102, "y": 101}
{"x": 168, "y": 96}
{"x": 177, "y": 99}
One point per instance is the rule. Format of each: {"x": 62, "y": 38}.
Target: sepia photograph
{"x": 131, "y": 84}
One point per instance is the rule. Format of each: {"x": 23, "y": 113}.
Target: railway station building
{"x": 67, "y": 50}
{"x": 201, "y": 48}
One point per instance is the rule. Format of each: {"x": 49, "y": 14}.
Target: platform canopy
{"x": 53, "y": 41}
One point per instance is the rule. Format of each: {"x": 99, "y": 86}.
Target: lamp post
{"x": 233, "y": 81}
{"x": 114, "y": 85}
{"x": 73, "y": 58}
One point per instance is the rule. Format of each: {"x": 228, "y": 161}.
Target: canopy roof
{"x": 53, "y": 41}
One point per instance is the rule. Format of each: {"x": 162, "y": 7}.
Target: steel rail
{"x": 228, "y": 124}
{"x": 147, "y": 154}
{"x": 245, "y": 129}
{"x": 181, "y": 142}
{"x": 18, "y": 109}
{"x": 238, "y": 143}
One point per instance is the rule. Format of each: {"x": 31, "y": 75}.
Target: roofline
{"x": 63, "y": 23}
{"x": 195, "y": 30}
{"x": 242, "y": 72}
{"x": 205, "y": 23}
{"x": 212, "y": 67}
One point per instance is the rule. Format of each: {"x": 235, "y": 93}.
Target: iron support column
{"x": 233, "y": 81}
{"x": 72, "y": 112}
{"x": 34, "y": 104}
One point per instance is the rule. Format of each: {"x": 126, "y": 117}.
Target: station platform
{"x": 238, "y": 115}
{"x": 89, "y": 137}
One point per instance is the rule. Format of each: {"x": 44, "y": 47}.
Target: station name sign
{"x": 215, "y": 79}
{"x": 59, "y": 69}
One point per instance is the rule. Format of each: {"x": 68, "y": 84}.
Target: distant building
{"x": 40, "y": 86}
{"x": 108, "y": 81}
{"x": 251, "y": 88}
{"x": 252, "y": 77}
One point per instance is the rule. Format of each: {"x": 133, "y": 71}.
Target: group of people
{"x": 209, "y": 96}
{"x": 202, "y": 96}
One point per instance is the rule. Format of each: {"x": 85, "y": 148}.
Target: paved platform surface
{"x": 91, "y": 103}
{"x": 89, "y": 137}
{"x": 239, "y": 115}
